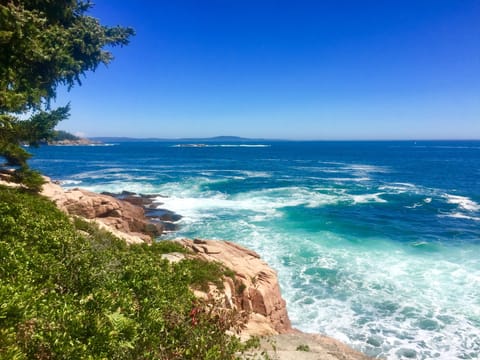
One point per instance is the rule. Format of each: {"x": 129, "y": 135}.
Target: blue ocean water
{"x": 376, "y": 243}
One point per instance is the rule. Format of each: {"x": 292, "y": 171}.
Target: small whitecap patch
{"x": 69, "y": 183}
{"x": 368, "y": 198}
{"x": 458, "y": 215}
{"x": 463, "y": 202}
{"x": 256, "y": 174}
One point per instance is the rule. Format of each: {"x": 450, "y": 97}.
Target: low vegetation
{"x": 69, "y": 290}
{"x": 303, "y": 347}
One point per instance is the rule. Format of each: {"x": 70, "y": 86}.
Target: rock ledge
{"x": 255, "y": 289}
{"x": 123, "y": 219}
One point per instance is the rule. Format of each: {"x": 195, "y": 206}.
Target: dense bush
{"x": 72, "y": 291}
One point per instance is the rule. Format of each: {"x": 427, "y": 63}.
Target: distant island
{"x": 110, "y": 139}
{"x": 64, "y": 138}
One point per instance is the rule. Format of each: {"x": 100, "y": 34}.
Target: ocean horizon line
{"x": 238, "y": 138}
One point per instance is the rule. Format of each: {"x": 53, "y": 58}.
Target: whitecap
{"x": 357, "y": 179}
{"x": 256, "y": 174}
{"x": 195, "y": 204}
{"x": 247, "y": 145}
{"x": 366, "y": 168}
{"x": 399, "y": 188}
{"x": 68, "y": 183}
{"x": 463, "y": 202}
{"x": 117, "y": 187}
{"x": 368, "y": 198}
{"x": 103, "y": 144}
{"x": 202, "y": 145}
{"x": 458, "y": 215}
{"x": 414, "y": 206}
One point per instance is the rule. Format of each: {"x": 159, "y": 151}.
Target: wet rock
{"x": 160, "y": 220}
{"x": 163, "y": 215}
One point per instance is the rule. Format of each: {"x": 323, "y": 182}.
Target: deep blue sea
{"x": 376, "y": 244}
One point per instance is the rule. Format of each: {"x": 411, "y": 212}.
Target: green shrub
{"x": 32, "y": 179}
{"x": 303, "y": 347}
{"x": 72, "y": 291}
{"x": 203, "y": 273}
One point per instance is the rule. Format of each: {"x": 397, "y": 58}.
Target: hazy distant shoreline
{"x": 110, "y": 139}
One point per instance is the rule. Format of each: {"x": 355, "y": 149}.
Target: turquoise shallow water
{"x": 375, "y": 243}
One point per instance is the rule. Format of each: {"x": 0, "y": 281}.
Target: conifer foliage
{"x": 44, "y": 44}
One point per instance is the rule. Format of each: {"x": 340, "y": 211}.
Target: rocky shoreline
{"x": 254, "y": 289}
{"x": 74, "y": 142}
{"x": 134, "y": 218}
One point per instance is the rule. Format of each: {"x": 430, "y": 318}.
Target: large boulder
{"x": 119, "y": 215}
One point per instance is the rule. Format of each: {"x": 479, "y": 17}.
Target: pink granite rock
{"x": 255, "y": 289}
{"x": 121, "y": 216}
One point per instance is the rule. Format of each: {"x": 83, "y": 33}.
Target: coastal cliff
{"x": 254, "y": 288}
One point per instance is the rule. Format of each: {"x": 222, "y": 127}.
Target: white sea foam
{"x": 261, "y": 204}
{"x": 321, "y": 169}
{"x": 115, "y": 174}
{"x": 343, "y": 179}
{"x": 100, "y": 174}
{"x": 458, "y": 215}
{"x": 376, "y": 293}
{"x": 364, "y": 168}
{"x": 246, "y": 145}
{"x": 342, "y": 168}
{"x": 119, "y": 186}
{"x": 69, "y": 183}
{"x": 400, "y": 188}
{"x": 414, "y": 206}
{"x": 463, "y": 202}
{"x": 256, "y": 174}
{"x": 201, "y": 145}
{"x": 194, "y": 203}
{"x": 368, "y": 198}
{"x": 195, "y": 209}
{"x": 105, "y": 144}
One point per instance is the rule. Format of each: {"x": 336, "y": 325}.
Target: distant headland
{"x": 64, "y": 138}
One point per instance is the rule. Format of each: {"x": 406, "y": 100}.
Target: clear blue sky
{"x": 297, "y": 69}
